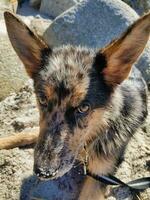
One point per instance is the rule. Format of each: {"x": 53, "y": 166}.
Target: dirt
{"x": 18, "y": 113}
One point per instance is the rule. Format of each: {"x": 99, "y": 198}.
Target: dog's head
{"x": 73, "y": 86}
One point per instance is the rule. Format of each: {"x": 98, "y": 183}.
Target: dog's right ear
{"x": 29, "y": 47}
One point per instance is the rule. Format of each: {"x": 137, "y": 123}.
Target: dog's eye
{"x": 43, "y": 101}
{"x": 84, "y": 108}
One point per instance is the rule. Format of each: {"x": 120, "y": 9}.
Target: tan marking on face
{"x": 77, "y": 96}
{"x": 42, "y": 125}
{"x": 79, "y": 92}
{"x": 76, "y": 143}
{"x": 49, "y": 92}
{"x": 97, "y": 122}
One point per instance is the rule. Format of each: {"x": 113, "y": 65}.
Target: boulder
{"x": 32, "y": 17}
{"x": 94, "y": 23}
{"x": 55, "y": 8}
{"x": 7, "y": 4}
{"x": 140, "y": 6}
{"x": 35, "y": 3}
{"x": 39, "y": 25}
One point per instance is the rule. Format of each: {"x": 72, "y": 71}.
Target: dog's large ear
{"x": 29, "y": 47}
{"x": 117, "y": 58}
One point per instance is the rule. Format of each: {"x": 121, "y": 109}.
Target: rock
{"x": 40, "y": 25}
{"x": 11, "y": 5}
{"x": 55, "y": 8}
{"x": 140, "y": 6}
{"x": 35, "y": 3}
{"x": 33, "y": 18}
{"x": 37, "y": 24}
{"x": 94, "y": 23}
{"x": 64, "y": 188}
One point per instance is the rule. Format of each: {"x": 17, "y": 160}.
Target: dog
{"x": 91, "y": 102}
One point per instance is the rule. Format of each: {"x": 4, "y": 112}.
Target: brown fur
{"x": 68, "y": 77}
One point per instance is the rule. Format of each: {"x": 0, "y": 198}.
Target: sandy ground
{"x": 19, "y": 113}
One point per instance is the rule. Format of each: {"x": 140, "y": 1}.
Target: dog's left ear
{"x": 28, "y": 46}
{"x": 119, "y": 56}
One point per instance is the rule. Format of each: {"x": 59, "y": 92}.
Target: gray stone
{"x": 140, "y": 6}
{"x": 39, "y": 25}
{"x": 35, "y": 3}
{"x": 56, "y": 7}
{"x": 94, "y": 23}
{"x": 33, "y": 18}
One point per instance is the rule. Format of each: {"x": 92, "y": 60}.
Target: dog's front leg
{"x": 92, "y": 190}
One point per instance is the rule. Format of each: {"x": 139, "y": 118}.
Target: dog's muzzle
{"x": 45, "y": 173}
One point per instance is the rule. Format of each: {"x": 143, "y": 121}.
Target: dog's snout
{"x": 45, "y": 173}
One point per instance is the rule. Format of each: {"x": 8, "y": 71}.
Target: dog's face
{"x": 71, "y": 98}
{"x": 74, "y": 87}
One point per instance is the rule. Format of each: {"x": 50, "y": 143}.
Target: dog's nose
{"x": 45, "y": 173}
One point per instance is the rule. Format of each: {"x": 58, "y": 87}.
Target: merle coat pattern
{"x": 91, "y": 102}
